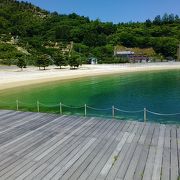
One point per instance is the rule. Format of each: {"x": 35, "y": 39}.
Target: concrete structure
{"x": 131, "y": 56}
{"x": 138, "y": 58}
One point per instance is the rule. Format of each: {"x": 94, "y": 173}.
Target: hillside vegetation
{"x": 27, "y": 30}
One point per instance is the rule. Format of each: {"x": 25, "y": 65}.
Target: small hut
{"x": 92, "y": 60}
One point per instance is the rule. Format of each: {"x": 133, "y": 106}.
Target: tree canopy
{"x": 38, "y": 29}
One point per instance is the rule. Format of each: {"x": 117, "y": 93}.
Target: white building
{"x": 123, "y": 53}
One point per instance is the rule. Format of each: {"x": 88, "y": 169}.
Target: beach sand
{"x": 12, "y": 76}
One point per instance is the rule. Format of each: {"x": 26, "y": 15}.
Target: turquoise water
{"x": 157, "y": 91}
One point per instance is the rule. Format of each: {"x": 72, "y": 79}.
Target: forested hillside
{"x": 28, "y": 30}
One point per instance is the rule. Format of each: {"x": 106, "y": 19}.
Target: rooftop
{"x": 124, "y": 52}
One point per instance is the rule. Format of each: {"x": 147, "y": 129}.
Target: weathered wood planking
{"x": 47, "y": 146}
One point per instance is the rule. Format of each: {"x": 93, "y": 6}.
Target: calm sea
{"x": 158, "y": 91}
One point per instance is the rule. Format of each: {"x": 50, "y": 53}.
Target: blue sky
{"x": 112, "y": 10}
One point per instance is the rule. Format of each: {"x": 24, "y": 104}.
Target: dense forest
{"x": 27, "y": 30}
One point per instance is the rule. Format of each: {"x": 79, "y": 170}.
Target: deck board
{"x": 174, "y": 153}
{"x": 48, "y": 146}
{"x": 166, "y": 156}
{"x": 71, "y": 174}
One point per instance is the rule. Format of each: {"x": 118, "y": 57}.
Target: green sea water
{"x": 158, "y": 91}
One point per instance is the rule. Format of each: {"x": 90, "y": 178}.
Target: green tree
{"x": 148, "y": 23}
{"x": 59, "y": 59}
{"x": 157, "y": 20}
{"x": 37, "y": 27}
{"x": 63, "y": 32}
{"x": 165, "y": 18}
{"x": 74, "y": 61}
{"x": 21, "y": 63}
{"x": 171, "y": 18}
{"x": 43, "y": 61}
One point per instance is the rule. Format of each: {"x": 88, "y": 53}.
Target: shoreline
{"x": 13, "y": 77}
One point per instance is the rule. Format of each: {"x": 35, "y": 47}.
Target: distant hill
{"x": 29, "y": 30}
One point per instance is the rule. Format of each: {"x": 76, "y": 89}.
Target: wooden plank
{"x": 147, "y": 175}
{"x": 11, "y": 159}
{"x": 39, "y": 171}
{"x": 59, "y": 142}
{"x": 84, "y": 131}
{"x": 3, "y": 112}
{"x": 149, "y": 141}
{"x": 138, "y": 138}
{"x": 28, "y": 166}
{"x": 178, "y": 145}
{"x": 9, "y": 136}
{"x": 21, "y": 163}
{"x": 159, "y": 154}
{"x": 114, "y": 169}
{"x": 8, "y": 115}
{"x": 59, "y": 172}
{"x": 166, "y": 155}
{"x": 42, "y": 146}
{"x": 44, "y": 167}
{"x": 60, "y": 157}
{"x": 78, "y": 167}
{"x": 59, "y": 161}
{"x": 144, "y": 134}
{"x": 11, "y": 147}
{"x": 166, "y": 165}
{"x": 21, "y": 121}
{"x": 84, "y": 161}
{"x": 174, "y": 156}
{"x": 33, "y": 132}
{"x": 148, "y": 172}
{"x": 17, "y": 125}
{"x": 10, "y": 139}
{"x": 32, "y": 139}
{"x": 136, "y": 156}
{"x": 116, "y": 152}
{"x": 106, "y": 156}
{"x": 86, "y": 173}
{"x": 132, "y": 166}
{"x": 25, "y": 137}
{"x": 9, "y": 165}
{"x": 13, "y": 117}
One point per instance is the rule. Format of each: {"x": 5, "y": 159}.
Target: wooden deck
{"x": 45, "y": 146}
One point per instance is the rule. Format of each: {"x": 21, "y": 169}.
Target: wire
{"x": 160, "y": 114}
{"x": 10, "y": 103}
{"x": 97, "y": 109}
{"x": 28, "y": 104}
{"x": 128, "y": 111}
{"x": 50, "y": 105}
{"x": 93, "y": 108}
{"x": 73, "y": 107}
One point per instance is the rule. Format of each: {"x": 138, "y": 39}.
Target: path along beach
{"x": 12, "y": 76}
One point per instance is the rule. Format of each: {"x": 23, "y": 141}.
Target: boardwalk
{"x": 45, "y": 146}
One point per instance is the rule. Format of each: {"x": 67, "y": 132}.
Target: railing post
{"x": 17, "y": 105}
{"x": 85, "y": 110}
{"x": 113, "y": 112}
{"x": 145, "y": 115}
{"x": 60, "y": 108}
{"x": 38, "y": 106}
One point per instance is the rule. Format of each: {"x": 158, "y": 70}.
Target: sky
{"x": 112, "y": 10}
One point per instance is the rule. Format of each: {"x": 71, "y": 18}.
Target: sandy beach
{"x": 13, "y": 77}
